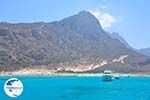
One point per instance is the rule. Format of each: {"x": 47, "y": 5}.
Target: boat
{"x": 117, "y": 77}
{"x": 128, "y": 75}
{"x": 107, "y": 75}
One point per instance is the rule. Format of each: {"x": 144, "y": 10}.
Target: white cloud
{"x": 104, "y": 7}
{"x": 104, "y": 18}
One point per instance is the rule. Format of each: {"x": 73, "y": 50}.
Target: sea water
{"x": 80, "y": 88}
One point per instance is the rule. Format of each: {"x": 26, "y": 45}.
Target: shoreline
{"x": 46, "y": 72}
{"x": 77, "y": 75}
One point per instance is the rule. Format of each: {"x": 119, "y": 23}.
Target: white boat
{"x": 107, "y": 76}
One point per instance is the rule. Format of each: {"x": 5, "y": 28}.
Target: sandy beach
{"x": 46, "y": 72}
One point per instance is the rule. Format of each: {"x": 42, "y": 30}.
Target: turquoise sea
{"x": 80, "y": 88}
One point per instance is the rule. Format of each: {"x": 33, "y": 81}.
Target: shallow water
{"x": 81, "y": 88}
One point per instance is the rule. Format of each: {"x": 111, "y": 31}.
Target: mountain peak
{"x": 83, "y": 22}
{"x": 84, "y": 18}
{"x": 85, "y": 13}
{"x": 78, "y": 40}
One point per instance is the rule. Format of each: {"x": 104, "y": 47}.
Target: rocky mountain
{"x": 118, "y": 37}
{"x": 115, "y": 35}
{"x": 74, "y": 42}
{"x": 145, "y": 51}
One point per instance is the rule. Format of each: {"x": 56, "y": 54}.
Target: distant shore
{"x": 79, "y": 74}
{"x": 45, "y": 72}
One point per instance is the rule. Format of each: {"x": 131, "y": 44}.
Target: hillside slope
{"x": 75, "y": 41}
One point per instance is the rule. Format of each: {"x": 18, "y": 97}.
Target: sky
{"x": 130, "y": 18}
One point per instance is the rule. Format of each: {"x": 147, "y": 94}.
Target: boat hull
{"x": 107, "y": 78}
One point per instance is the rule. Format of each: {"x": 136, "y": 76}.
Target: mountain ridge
{"x": 78, "y": 40}
{"x": 145, "y": 51}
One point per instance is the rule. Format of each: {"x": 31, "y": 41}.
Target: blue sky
{"x": 131, "y": 18}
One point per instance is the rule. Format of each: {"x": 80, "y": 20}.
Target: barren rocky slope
{"x": 74, "y": 42}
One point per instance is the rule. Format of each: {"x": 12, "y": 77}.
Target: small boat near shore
{"x": 107, "y": 76}
{"x": 117, "y": 77}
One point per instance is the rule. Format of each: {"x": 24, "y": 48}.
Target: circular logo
{"x": 13, "y": 87}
